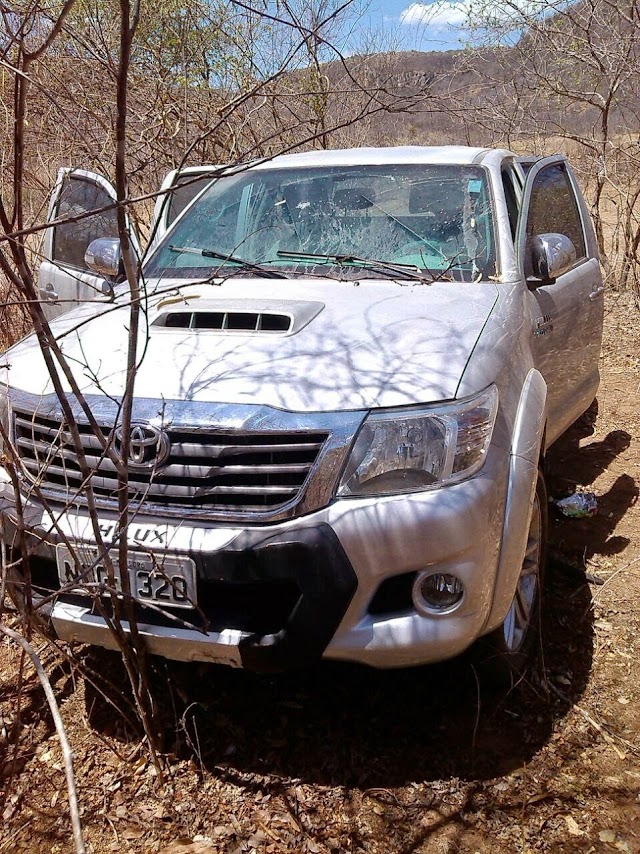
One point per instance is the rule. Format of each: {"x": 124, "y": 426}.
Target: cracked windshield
{"x": 393, "y": 221}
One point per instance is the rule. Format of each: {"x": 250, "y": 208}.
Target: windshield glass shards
{"x": 423, "y": 221}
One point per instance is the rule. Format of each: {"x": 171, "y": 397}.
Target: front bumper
{"x": 338, "y": 559}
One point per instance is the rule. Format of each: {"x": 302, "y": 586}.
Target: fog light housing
{"x": 437, "y": 593}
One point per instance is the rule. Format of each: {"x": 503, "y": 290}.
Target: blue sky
{"x": 419, "y": 25}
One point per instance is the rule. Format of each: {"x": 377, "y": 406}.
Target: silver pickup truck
{"x": 352, "y": 364}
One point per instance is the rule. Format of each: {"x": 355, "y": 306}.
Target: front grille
{"x": 224, "y": 470}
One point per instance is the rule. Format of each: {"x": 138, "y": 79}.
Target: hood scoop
{"x": 240, "y": 317}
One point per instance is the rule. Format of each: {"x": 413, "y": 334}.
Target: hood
{"x": 300, "y": 345}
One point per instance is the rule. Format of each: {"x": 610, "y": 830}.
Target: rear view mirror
{"x": 551, "y": 256}
{"x": 104, "y": 256}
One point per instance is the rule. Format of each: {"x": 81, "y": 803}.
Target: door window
{"x": 554, "y": 209}
{"x": 70, "y": 239}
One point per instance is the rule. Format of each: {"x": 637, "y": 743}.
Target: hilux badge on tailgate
{"x": 148, "y": 447}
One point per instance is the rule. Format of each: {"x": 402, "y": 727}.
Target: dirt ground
{"x": 341, "y": 758}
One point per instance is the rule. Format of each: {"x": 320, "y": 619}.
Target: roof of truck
{"x": 442, "y": 154}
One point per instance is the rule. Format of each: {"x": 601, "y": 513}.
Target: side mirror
{"x": 104, "y": 256}
{"x": 551, "y": 256}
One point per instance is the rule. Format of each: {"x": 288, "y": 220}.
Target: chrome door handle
{"x": 595, "y": 294}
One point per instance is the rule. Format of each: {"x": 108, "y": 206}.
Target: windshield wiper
{"x": 233, "y": 259}
{"x": 408, "y": 270}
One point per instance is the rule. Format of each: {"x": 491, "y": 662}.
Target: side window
{"x": 554, "y": 208}
{"x": 70, "y": 239}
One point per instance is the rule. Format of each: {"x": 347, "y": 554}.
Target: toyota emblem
{"x": 148, "y": 447}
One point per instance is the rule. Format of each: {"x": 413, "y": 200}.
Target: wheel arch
{"x": 526, "y": 457}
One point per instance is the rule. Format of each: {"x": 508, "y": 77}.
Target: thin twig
{"x": 62, "y": 735}
{"x": 609, "y": 580}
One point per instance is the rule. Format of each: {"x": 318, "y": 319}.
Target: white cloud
{"x": 462, "y": 15}
{"x": 417, "y": 13}
{"x": 437, "y": 16}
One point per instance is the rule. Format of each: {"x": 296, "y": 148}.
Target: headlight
{"x": 408, "y": 450}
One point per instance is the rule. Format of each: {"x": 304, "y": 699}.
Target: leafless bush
{"x": 546, "y": 77}
{"x": 105, "y": 88}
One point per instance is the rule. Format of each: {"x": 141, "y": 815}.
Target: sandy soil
{"x": 344, "y": 759}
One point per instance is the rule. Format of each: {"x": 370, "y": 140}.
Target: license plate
{"x": 163, "y": 579}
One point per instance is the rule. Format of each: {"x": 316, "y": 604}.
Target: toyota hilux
{"x": 351, "y": 366}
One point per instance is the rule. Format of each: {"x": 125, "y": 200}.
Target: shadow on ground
{"x": 572, "y": 466}
{"x": 339, "y": 724}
